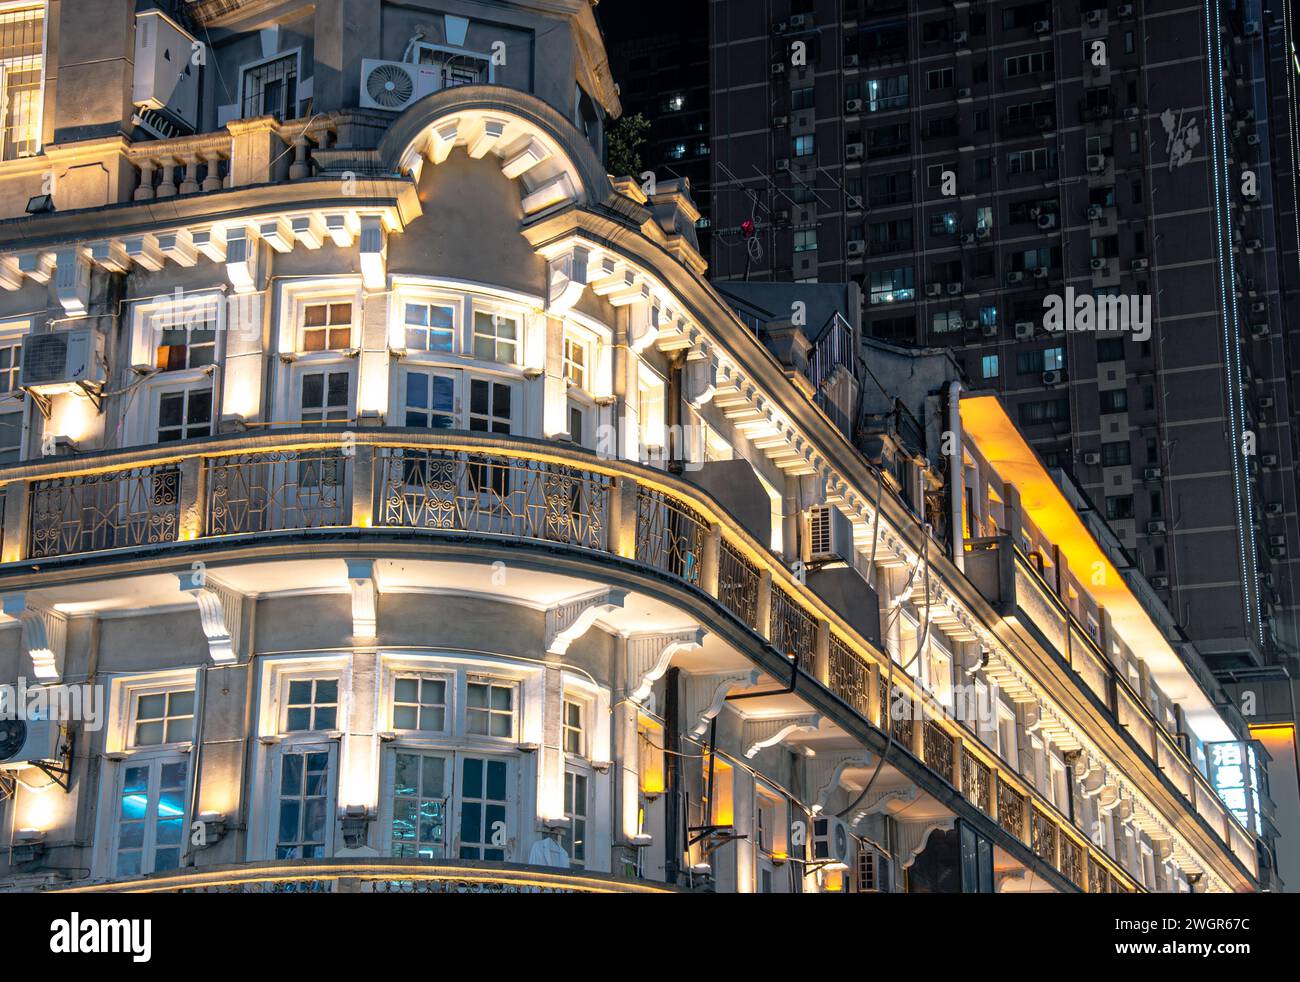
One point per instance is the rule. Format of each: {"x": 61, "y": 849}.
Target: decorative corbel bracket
{"x": 365, "y": 592}
{"x": 759, "y": 734}
{"x": 720, "y": 685}
{"x": 373, "y": 245}
{"x": 648, "y": 659}
{"x": 826, "y": 772}
{"x": 567, "y": 622}
{"x": 567, "y": 278}
{"x": 45, "y": 635}
{"x": 220, "y": 612}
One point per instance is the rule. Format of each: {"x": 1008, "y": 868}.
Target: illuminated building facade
{"x": 427, "y": 522}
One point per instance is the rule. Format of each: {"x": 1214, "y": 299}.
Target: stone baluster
{"x": 145, "y": 192}
{"x": 212, "y": 181}
{"x": 167, "y": 186}
{"x": 190, "y": 185}
{"x": 301, "y": 166}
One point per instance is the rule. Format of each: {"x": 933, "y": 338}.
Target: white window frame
{"x": 405, "y": 293}
{"x": 166, "y": 690}
{"x": 577, "y": 772}
{"x": 326, "y": 368}
{"x": 446, "y": 676}
{"x": 200, "y": 382}
{"x": 480, "y": 677}
{"x": 496, "y": 309}
{"x": 302, "y": 743}
{"x": 40, "y": 66}
{"x": 1008, "y": 745}
{"x": 485, "y": 57}
{"x": 12, "y": 334}
{"x": 119, "y": 736}
{"x": 282, "y": 706}
{"x": 154, "y": 759}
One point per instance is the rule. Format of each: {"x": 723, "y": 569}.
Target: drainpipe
{"x": 676, "y": 432}
{"x": 956, "y": 478}
{"x": 672, "y": 778}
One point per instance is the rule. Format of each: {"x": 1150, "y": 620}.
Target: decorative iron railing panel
{"x": 738, "y": 582}
{"x": 135, "y": 507}
{"x": 1098, "y": 877}
{"x": 1011, "y": 810}
{"x": 794, "y": 632}
{"x": 897, "y": 709}
{"x": 277, "y": 491}
{"x": 976, "y": 783}
{"x": 1071, "y": 860}
{"x": 1043, "y": 836}
{"x": 938, "y": 749}
{"x": 669, "y": 535}
{"x": 457, "y": 886}
{"x": 850, "y": 676}
{"x": 492, "y": 495}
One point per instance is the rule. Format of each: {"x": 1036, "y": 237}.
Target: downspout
{"x": 956, "y": 478}
{"x": 672, "y": 778}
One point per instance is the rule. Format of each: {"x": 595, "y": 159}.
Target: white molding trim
{"x": 45, "y": 635}
{"x": 759, "y": 734}
{"x": 570, "y": 620}
{"x": 220, "y": 613}
{"x": 648, "y": 658}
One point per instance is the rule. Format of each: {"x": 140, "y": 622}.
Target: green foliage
{"x": 623, "y": 145}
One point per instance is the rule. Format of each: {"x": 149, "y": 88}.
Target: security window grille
{"x": 272, "y": 89}
{"x": 421, "y": 792}
{"x": 575, "y": 810}
{"x": 22, "y": 60}
{"x": 151, "y": 817}
{"x": 430, "y": 401}
{"x": 312, "y": 704}
{"x": 456, "y": 68}
{"x": 184, "y": 415}
{"x": 490, "y": 709}
{"x": 326, "y": 396}
{"x": 10, "y": 365}
{"x": 163, "y": 717}
{"x": 572, "y": 727}
{"x": 326, "y": 326}
{"x": 420, "y": 704}
{"x": 429, "y": 327}
{"x": 496, "y": 337}
{"x": 304, "y": 805}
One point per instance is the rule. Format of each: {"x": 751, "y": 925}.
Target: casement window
{"x": 10, "y": 364}
{"x": 187, "y": 340}
{"x": 150, "y": 815}
{"x": 442, "y": 803}
{"x": 651, "y": 409}
{"x": 496, "y": 337}
{"x": 892, "y": 285}
{"x": 886, "y": 93}
{"x": 430, "y": 326}
{"x": 574, "y": 714}
{"x": 577, "y": 361}
{"x": 22, "y": 61}
{"x": 1007, "y": 735}
{"x": 430, "y": 399}
{"x": 270, "y": 89}
{"x": 805, "y": 240}
{"x": 805, "y": 146}
{"x": 161, "y": 717}
{"x": 421, "y": 798}
{"x": 1031, "y": 64}
{"x": 771, "y": 837}
{"x": 719, "y": 802}
{"x": 325, "y": 396}
{"x": 491, "y": 406}
{"x": 185, "y": 414}
{"x": 310, "y": 705}
{"x": 327, "y": 326}
{"x": 485, "y": 806}
{"x": 938, "y": 672}
{"x": 420, "y": 704}
{"x": 303, "y": 803}
{"x": 490, "y": 708}
{"x": 577, "y": 798}
{"x": 650, "y": 743}
{"x": 946, "y": 321}
{"x": 989, "y": 366}
{"x": 939, "y": 78}
{"x": 11, "y": 437}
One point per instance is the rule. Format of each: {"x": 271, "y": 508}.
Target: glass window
{"x": 327, "y": 326}
{"x": 1114, "y": 454}
{"x": 805, "y": 146}
{"x": 573, "y": 727}
{"x": 490, "y": 709}
{"x": 22, "y": 57}
{"x": 430, "y": 401}
{"x": 271, "y": 90}
{"x": 11, "y": 437}
{"x": 989, "y": 366}
{"x": 892, "y": 285}
{"x": 576, "y": 793}
{"x": 805, "y": 240}
{"x": 490, "y": 406}
{"x": 184, "y": 415}
{"x": 484, "y": 822}
{"x": 326, "y": 397}
{"x": 421, "y": 789}
{"x": 496, "y": 337}
{"x": 419, "y": 704}
{"x": 10, "y": 364}
{"x": 163, "y": 717}
{"x": 187, "y": 340}
{"x": 311, "y": 704}
{"x": 150, "y": 816}
{"x": 575, "y": 362}
{"x": 429, "y": 327}
{"x": 304, "y": 811}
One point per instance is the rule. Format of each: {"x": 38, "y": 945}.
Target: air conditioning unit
{"x": 1096, "y": 162}
{"x": 1024, "y": 329}
{"x": 830, "y": 535}
{"x": 25, "y": 741}
{"x": 1093, "y": 18}
{"x": 991, "y": 330}
{"x": 1259, "y": 307}
{"x": 857, "y": 247}
{"x": 1046, "y": 221}
{"x": 166, "y": 78}
{"x": 394, "y": 85}
{"x": 983, "y": 231}
{"x": 872, "y": 871}
{"x": 783, "y": 163}
{"x": 1132, "y": 112}
{"x": 1254, "y": 244}
{"x": 1268, "y": 460}
{"x": 1273, "y": 508}
{"x": 1252, "y": 140}
{"x": 854, "y": 202}
{"x": 1259, "y": 330}
{"x": 797, "y": 22}
{"x": 853, "y": 151}
{"x": 1124, "y": 10}
{"x": 968, "y": 238}
{"x": 960, "y": 37}
{"x": 934, "y": 289}
{"x": 1251, "y": 28}
{"x": 1277, "y": 540}
{"x": 780, "y": 122}
{"x": 1247, "y": 114}
{"x": 1137, "y": 265}
{"x": 1160, "y": 582}
{"x": 778, "y": 68}
{"x": 853, "y": 106}
{"x": 954, "y": 289}
{"x": 1052, "y": 378}
{"x": 850, "y": 61}
{"x": 1096, "y": 265}
{"x": 973, "y": 324}
{"x": 1092, "y": 459}
{"x": 1095, "y": 213}
{"x": 1277, "y": 552}
{"x": 1155, "y": 528}
{"x": 1015, "y": 276}
{"x": 1152, "y": 473}
{"x": 964, "y": 92}
{"x": 1042, "y": 27}
{"x": 63, "y": 361}
{"x": 832, "y": 844}
{"x": 1266, "y": 402}
{"x": 1041, "y": 272}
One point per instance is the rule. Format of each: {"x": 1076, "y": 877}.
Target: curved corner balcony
{"x": 376, "y": 876}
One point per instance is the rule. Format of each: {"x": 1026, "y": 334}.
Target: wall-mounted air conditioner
{"x": 394, "y": 85}
{"x": 1092, "y": 458}
{"x": 1095, "y": 213}
{"x": 1024, "y": 329}
{"x": 1152, "y": 473}
{"x": 853, "y": 106}
{"x": 1160, "y": 582}
{"x": 166, "y": 78}
{"x": 853, "y": 151}
{"x": 1052, "y": 377}
{"x": 1046, "y": 220}
{"x": 63, "y": 361}
{"x": 857, "y": 247}
{"x": 1096, "y": 265}
{"x": 1273, "y": 508}
{"x": 1042, "y": 27}
{"x": 1137, "y": 265}
{"x": 954, "y": 289}
{"x": 830, "y": 536}
{"x": 1155, "y": 528}
{"x": 1268, "y": 460}
{"x": 934, "y": 289}
{"x": 1041, "y": 272}
{"x": 832, "y": 843}
{"x": 968, "y": 238}
{"x": 1016, "y": 276}
{"x": 1096, "y": 162}
{"x": 25, "y": 741}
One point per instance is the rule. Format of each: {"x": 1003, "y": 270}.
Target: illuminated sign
{"x": 1234, "y": 773}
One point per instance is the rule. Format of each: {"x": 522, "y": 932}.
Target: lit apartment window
{"x": 805, "y": 240}
{"x": 327, "y": 326}
{"x": 326, "y": 397}
{"x": 11, "y": 437}
{"x": 430, "y": 400}
{"x": 22, "y": 59}
{"x": 10, "y": 364}
{"x": 892, "y": 285}
{"x": 576, "y": 360}
{"x": 420, "y": 704}
{"x": 946, "y": 321}
{"x": 490, "y": 709}
{"x": 421, "y": 797}
{"x": 311, "y": 705}
{"x": 184, "y": 415}
{"x": 187, "y": 340}
{"x": 573, "y": 727}
{"x": 271, "y": 89}
{"x": 577, "y": 794}
{"x": 150, "y": 816}
{"x": 430, "y": 327}
{"x": 805, "y": 146}
{"x": 886, "y": 93}
{"x": 496, "y": 337}
{"x": 989, "y": 366}
{"x": 304, "y": 813}
{"x": 162, "y": 717}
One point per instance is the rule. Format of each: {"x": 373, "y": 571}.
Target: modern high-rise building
{"x": 966, "y": 162}
{"x": 391, "y": 504}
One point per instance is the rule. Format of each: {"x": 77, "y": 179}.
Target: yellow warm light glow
{"x": 72, "y": 416}
{"x": 985, "y": 420}
{"x": 40, "y": 810}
